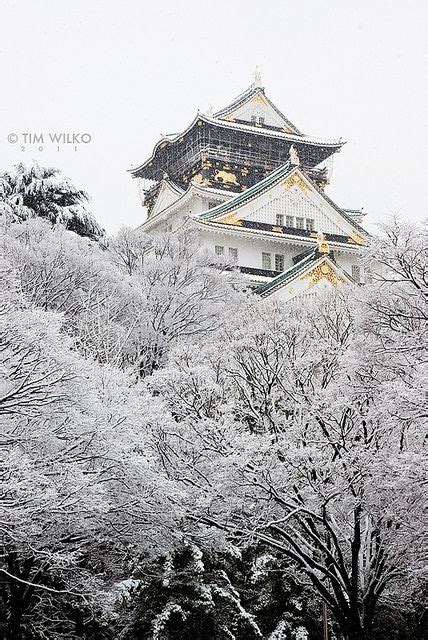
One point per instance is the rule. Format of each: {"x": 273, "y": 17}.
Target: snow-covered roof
{"x": 285, "y": 171}
{"x": 244, "y": 127}
{"x": 248, "y": 95}
{"x": 311, "y": 263}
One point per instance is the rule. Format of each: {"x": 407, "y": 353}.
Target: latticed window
{"x": 266, "y": 261}
{"x": 279, "y": 262}
{"x": 299, "y": 223}
{"x": 212, "y": 204}
{"x": 219, "y": 250}
{"x": 310, "y": 224}
{"x": 233, "y": 253}
{"x": 289, "y": 221}
{"x": 280, "y": 219}
{"x": 356, "y": 272}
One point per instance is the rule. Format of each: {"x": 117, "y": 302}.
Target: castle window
{"x": 280, "y": 219}
{"x": 212, "y": 204}
{"x": 299, "y": 223}
{"x": 310, "y": 224}
{"x": 257, "y": 121}
{"x": 356, "y": 272}
{"x": 266, "y": 261}
{"x": 289, "y": 221}
{"x": 219, "y": 250}
{"x": 233, "y": 253}
{"x": 279, "y": 262}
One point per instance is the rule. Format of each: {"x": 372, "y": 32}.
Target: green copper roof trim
{"x": 281, "y": 172}
{"x": 291, "y": 271}
{"x": 259, "y": 186}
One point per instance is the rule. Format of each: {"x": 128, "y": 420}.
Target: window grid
{"x": 266, "y": 261}
{"x": 293, "y": 205}
{"x": 233, "y": 253}
{"x": 279, "y": 262}
{"x": 219, "y": 250}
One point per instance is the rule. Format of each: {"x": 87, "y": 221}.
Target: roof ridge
{"x": 292, "y": 270}
{"x": 298, "y": 138}
{"x": 253, "y": 88}
{"x": 267, "y": 181}
{"x": 255, "y": 188}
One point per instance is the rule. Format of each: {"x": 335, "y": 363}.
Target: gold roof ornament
{"x": 257, "y": 77}
{"x": 322, "y": 243}
{"x": 294, "y": 156}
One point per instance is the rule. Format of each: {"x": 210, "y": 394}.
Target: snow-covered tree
{"x": 185, "y": 294}
{"x": 127, "y": 302}
{"x": 34, "y": 191}
{"x": 293, "y": 429}
{"x": 188, "y": 593}
{"x": 80, "y": 482}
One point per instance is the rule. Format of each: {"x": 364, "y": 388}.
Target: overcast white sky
{"x": 127, "y": 71}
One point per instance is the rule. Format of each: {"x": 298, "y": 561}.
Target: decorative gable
{"x": 167, "y": 195}
{"x": 312, "y": 274}
{"x": 254, "y": 107}
{"x": 292, "y": 203}
{"x": 257, "y": 111}
{"x": 295, "y": 208}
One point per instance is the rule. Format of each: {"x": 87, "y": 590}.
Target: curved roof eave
{"x": 309, "y": 262}
{"x": 184, "y": 197}
{"x": 283, "y": 171}
{"x": 287, "y": 237}
{"x": 242, "y": 127}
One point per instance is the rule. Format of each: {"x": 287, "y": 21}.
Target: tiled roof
{"x": 247, "y": 128}
{"x": 237, "y": 200}
{"x": 289, "y": 274}
{"x": 249, "y": 93}
{"x": 275, "y": 176}
{"x": 300, "y": 267}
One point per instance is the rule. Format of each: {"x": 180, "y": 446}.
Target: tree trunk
{"x": 355, "y": 632}
{"x": 14, "y": 621}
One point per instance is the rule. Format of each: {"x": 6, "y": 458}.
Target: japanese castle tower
{"x": 253, "y": 185}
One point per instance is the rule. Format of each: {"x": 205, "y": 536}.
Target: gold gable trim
{"x": 230, "y": 218}
{"x": 355, "y": 238}
{"x": 258, "y": 99}
{"x": 323, "y": 272}
{"x": 295, "y": 181}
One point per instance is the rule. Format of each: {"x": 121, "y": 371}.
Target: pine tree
{"x": 34, "y": 191}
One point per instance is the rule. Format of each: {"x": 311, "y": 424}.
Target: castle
{"x": 253, "y": 185}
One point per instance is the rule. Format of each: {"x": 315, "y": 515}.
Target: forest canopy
{"x": 181, "y": 459}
